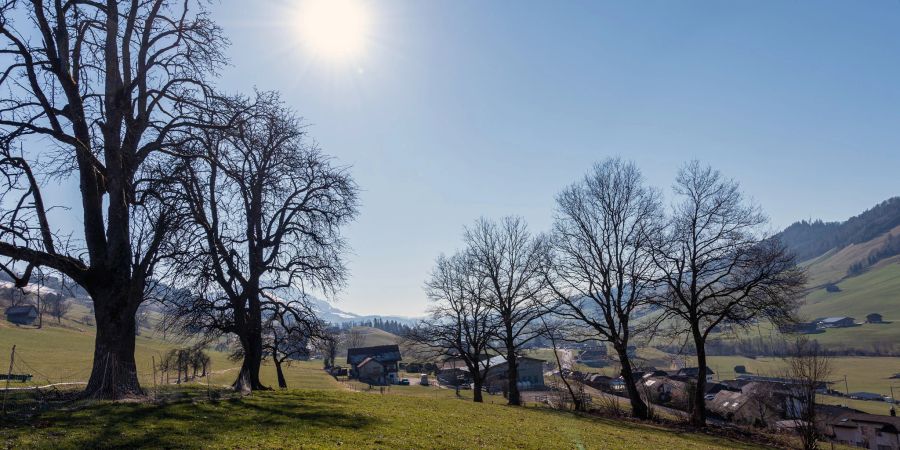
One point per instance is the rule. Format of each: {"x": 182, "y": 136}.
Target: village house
{"x": 22, "y": 315}
{"x": 664, "y": 390}
{"x": 375, "y": 365}
{"x": 454, "y": 372}
{"x": 874, "y": 318}
{"x": 531, "y": 373}
{"x": 836, "y": 322}
{"x": 866, "y": 396}
{"x": 691, "y": 372}
{"x": 867, "y": 431}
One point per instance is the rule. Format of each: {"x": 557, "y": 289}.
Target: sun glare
{"x": 334, "y": 29}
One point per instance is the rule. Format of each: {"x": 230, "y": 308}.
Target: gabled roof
{"x": 888, "y": 423}
{"x": 835, "y": 319}
{"x": 382, "y": 353}
{"x": 20, "y": 310}
{"x": 367, "y": 361}
{"x": 694, "y": 371}
{"x": 500, "y": 360}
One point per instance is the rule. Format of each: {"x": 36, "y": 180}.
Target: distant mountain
{"x": 329, "y": 313}
{"x": 812, "y": 239}
{"x": 854, "y": 270}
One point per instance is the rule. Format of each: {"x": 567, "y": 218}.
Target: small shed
{"x": 874, "y": 318}
{"x": 22, "y": 315}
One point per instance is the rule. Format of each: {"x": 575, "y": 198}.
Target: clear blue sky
{"x": 464, "y": 108}
{"x": 460, "y": 109}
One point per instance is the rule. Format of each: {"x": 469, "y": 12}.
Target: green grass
{"x": 335, "y": 418}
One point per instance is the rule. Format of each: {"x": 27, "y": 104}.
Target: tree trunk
{"x": 114, "y": 373}
{"x": 639, "y": 408}
{"x": 282, "y": 383}
{"x": 476, "y": 390}
{"x": 248, "y": 377}
{"x": 250, "y": 334}
{"x": 698, "y": 412}
{"x": 512, "y": 372}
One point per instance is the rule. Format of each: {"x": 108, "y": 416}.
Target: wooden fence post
{"x": 12, "y": 358}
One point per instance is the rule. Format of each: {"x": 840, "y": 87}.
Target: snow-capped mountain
{"x": 329, "y": 313}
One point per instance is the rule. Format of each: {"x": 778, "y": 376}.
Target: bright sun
{"x": 334, "y": 29}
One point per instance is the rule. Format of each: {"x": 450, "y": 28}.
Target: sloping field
{"x": 332, "y": 418}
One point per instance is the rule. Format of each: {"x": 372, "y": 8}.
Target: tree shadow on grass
{"x": 188, "y": 424}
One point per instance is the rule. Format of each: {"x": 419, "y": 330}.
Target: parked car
{"x": 403, "y": 382}
{"x": 424, "y": 380}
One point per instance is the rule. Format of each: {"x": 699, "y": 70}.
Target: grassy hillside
{"x": 63, "y": 352}
{"x": 330, "y": 417}
{"x": 832, "y": 267}
{"x": 374, "y": 336}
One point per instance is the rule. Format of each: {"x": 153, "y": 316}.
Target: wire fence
{"x": 28, "y": 388}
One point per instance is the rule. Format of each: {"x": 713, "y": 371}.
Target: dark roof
{"x": 888, "y": 423}
{"x": 381, "y": 353}
{"x": 836, "y": 319}
{"x": 693, "y": 371}
{"x": 367, "y": 361}
{"x": 20, "y": 310}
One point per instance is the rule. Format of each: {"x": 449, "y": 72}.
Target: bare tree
{"x": 808, "y": 368}
{"x": 327, "y": 345}
{"x": 265, "y": 208}
{"x": 99, "y": 91}
{"x": 718, "y": 266}
{"x": 461, "y": 323}
{"x": 288, "y": 331}
{"x": 512, "y": 264}
{"x": 58, "y": 306}
{"x": 602, "y": 270}
{"x": 560, "y": 331}
{"x": 352, "y": 338}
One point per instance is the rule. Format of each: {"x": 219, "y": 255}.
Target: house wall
{"x": 531, "y": 375}
{"x": 371, "y": 372}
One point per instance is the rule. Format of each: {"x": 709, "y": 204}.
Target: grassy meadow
{"x": 325, "y": 414}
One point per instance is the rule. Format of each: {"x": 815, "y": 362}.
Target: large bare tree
{"x": 512, "y": 262}
{"x": 98, "y": 91}
{"x": 266, "y": 208}
{"x": 719, "y": 267}
{"x": 461, "y": 323}
{"x": 602, "y": 270}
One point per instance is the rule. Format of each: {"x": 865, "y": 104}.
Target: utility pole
{"x": 846, "y": 386}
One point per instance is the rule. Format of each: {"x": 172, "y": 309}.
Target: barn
{"x": 22, "y": 315}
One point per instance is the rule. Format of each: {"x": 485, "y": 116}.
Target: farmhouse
{"x": 867, "y": 431}
{"x": 531, "y": 373}
{"x": 836, "y": 322}
{"x": 375, "y": 365}
{"x": 866, "y": 396}
{"x": 874, "y": 318}
{"x": 22, "y": 315}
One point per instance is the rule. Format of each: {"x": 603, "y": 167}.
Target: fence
{"x": 28, "y": 388}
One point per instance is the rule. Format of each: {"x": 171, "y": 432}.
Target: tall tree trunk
{"x": 114, "y": 373}
{"x": 698, "y": 412}
{"x": 512, "y": 372}
{"x": 639, "y": 409}
{"x": 476, "y": 389}
{"x": 248, "y": 377}
{"x": 282, "y": 383}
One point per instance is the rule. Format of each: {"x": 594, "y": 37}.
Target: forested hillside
{"x": 812, "y": 239}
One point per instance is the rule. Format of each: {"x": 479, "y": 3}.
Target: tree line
{"x": 617, "y": 266}
{"x": 216, "y": 205}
